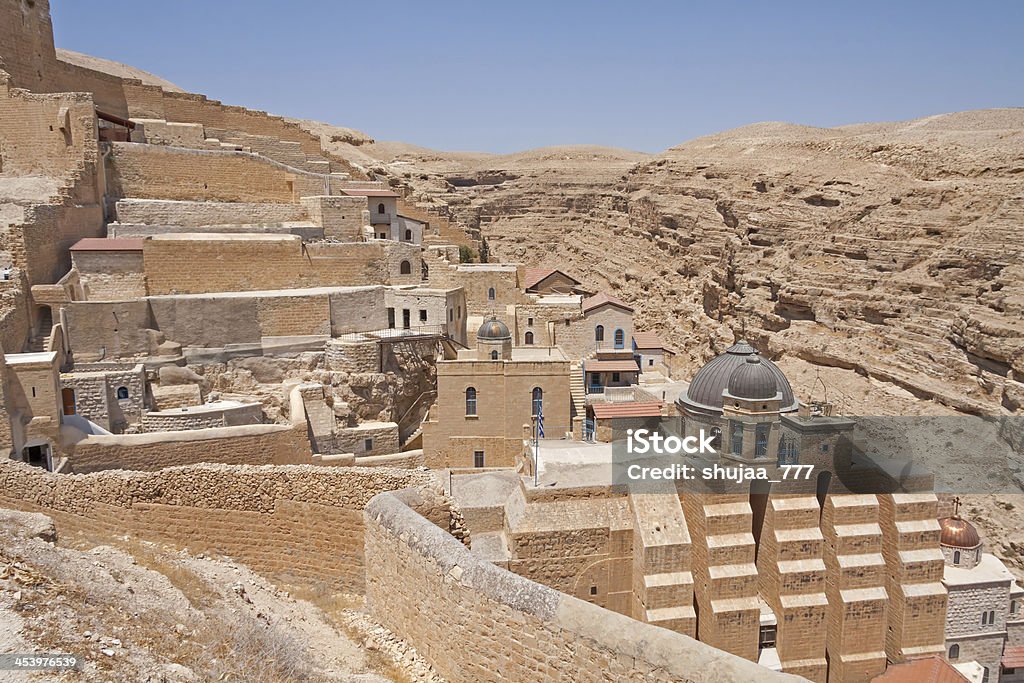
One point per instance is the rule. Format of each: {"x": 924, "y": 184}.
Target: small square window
{"x": 367, "y": 444}
{"x": 616, "y": 377}
{"x": 593, "y": 590}
{"x": 423, "y": 315}
{"x": 478, "y": 458}
{"x": 824, "y": 448}
{"x": 567, "y": 322}
{"x": 529, "y": 322}
{"x": 650, "y": 361}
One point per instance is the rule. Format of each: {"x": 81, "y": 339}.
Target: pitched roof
{"x": 1013, "y": 657}
{"x": 932, "y": 669}
{"x": 602, "y": 299}
{"x": 648, "y": 340}
{"x": 611, "y": 366}
{"x": 627, "y": 409}
{"x": 108, "y": 244}
{"x": 355, "y": 192}
{"x": 533, "y": 276}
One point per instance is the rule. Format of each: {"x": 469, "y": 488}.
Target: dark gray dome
{"x": 705, "y": 392}
{"x": 493, "y": 330}
{"x": 753, "y": 380}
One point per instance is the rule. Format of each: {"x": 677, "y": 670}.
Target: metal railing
{"x": 395, "y": 333}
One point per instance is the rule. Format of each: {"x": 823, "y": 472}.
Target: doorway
{"x": 37, "y": 455}
{"x": 67, "y": 395}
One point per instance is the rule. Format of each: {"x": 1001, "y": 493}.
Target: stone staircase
{"x": 577, "y": 389}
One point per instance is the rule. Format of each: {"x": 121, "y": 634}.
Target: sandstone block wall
{"x": 384, "y": 437}
{"x": 26, "y": 42}
{"x": 180, "y": 264}
{"x": 352, "y": 356}
{"x": 197, "y": 214}
{"x": 110, "y": 275}
{"x": 242, "y": 445}
{"x": 298, "y": 522}
{"x": 426, "y": 587}
{"x": 157, "y": 172}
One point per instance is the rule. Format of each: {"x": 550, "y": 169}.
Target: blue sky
{"x": 506, "y": 76}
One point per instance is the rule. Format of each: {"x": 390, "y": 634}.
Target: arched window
{"x": 599, "y": 333}
{"x": 494, "y": 355}
{"x": 954, "y": 651}
{"x": 122, "y": 393}
{"x": 405, "y": 268}
{"x": 380, "y": 208}
{"x": 529, "y": 337}
{"x": 538, "y": 401}
{"x": 471, "y": 401}
{"x": 490, "y": 294}
{"x": 956, "y": 557}
{"x": 408, "y": 235}
{"x": 620, "y": 339}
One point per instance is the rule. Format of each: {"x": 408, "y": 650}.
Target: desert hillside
{"x": 884, "y": 258}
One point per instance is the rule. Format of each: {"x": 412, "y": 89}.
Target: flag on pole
{"x": 540, "y": 422}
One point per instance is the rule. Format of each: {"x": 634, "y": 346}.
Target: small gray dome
{"x": 493, "y": 330}
{"x": 705, "y": 392}
{"x": 753, "y": 380}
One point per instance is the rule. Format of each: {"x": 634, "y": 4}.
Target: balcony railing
{"x": 380, "y": 219}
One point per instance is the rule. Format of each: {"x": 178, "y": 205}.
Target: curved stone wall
{"x": 477, "y": 622}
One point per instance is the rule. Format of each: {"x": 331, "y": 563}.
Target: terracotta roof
{"x": 370, "y": 193}
{"x": 602, "y": 299}
{"x": 611, "y": 366}
{"x": 649, "y": 340}
{"x": 532, "y": 276}
{"x": 107, "y": 244}
{"x": 1013, "y": 657}
{"x": 932, "y": 669}
{"x": 627, "y": 409}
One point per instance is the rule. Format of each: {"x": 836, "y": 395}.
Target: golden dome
{"x": 958, "y": 533}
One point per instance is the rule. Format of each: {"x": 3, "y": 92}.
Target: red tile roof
{"x": 648, "y": 340}
{"x": 602, "y": 299}
{"x": 370, "y": 193}
{"x": 108, "y": 244}
{"x": 611, "y": 366}
{"x": 628, "y": 409}
{"x": 533, "y": 276}
{"x": 932, "y": 669}
{"x": 1013, "y": 657}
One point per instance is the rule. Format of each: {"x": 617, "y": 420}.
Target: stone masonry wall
{"x": 198, "y": 214}
{"x": 425, "y": 586}
{"x": 179, "y": 265}
{"x": 298, "y": 522}
{"x": 242, "y": 445}
{"x": 157, "y": 172}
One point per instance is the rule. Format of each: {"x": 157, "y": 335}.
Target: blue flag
{"x": 540, "y": 422}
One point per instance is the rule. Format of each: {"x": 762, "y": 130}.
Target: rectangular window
{"x": 451, "y": 315}
{"x": 406, "y": 319}
{"x": 736, "y": 437}
{"x": 650, "y": 361}
{"x": 423, "y": 315}
{"x": 368, "y": 444}
{"x": 478, "y": 458}
{"x": 391, "y": 318}
{"x": 529, "y": 322}
{"x": 761, "y": 432}
{"x": 767, "y": 636}
{"x": 616, "y": 377}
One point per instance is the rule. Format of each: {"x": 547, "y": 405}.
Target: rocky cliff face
{"x": 894, "y": 252}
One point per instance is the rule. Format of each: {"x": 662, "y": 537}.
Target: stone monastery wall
{"x": 430, "y": 590}
{"x": 301, "y": 522}
{"x": 179, "y": 264}
{"x": 196, "y": 214}
{"x": 241, "y": 445}
{"x": 157, "y": 172}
